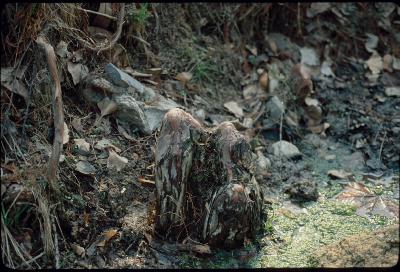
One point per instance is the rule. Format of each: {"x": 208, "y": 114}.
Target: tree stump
{"x": 205, "y": 187}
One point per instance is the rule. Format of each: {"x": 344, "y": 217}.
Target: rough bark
{"x": 205, "y": 187}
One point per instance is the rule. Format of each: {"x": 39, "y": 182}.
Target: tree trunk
{"x": 205, "y": 187}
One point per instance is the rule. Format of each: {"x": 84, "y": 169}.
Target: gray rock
{"x": 200, "y": 115}
{"x": 263, "y": 163}
{"x": 275, "y": 108}
{"x": 285, "y": 149}
{"x": 131, "y": 111}
{"x": 122, "y": 79}
{"x": 137, "y": 105}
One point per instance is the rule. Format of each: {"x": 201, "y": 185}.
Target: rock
{"x": 392, "y": 91}
{"x": 354, "y": 161}
{"x": 285, "y": 149}
{"x": 131, "y": 111}
{"x": 248, "y": 122}
{"x": 200, "y": 115}
{"x": 303, "y": 190}
{"x": 137, "y": 106}
{"x": 379, "y": 248}
{"x": 275, "y": 108}
{"x": 263, "y": 163}
{"x": 331, "y": 157}
{"x": 122, "y": 79}
{"x": 309, "y": 56}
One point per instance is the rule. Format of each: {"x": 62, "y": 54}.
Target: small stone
{"x": 248, "y": 122}
{"x": 263, "y": 163}
{"x": 285, "y": 149}
{"x": 200, "y": 115}
{"x": 330, "y": 157}
{"x": 392, "y": 91}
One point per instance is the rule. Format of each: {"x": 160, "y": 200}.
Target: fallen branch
{"x": 57, "y": 112}
{"x": 117, "y": 35}
{"x": 146, "y": 182}
{"x": 119, "y": 29}
{"x": 98, "y": 13}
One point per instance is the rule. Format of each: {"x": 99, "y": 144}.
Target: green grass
{"x": 140, "y": 16}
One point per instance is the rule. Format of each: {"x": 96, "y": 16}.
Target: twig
{"x": 380, "y": 149}
{"x": 57, "y": 252}
{"x": 299, "y": 32}
{"x": 119, "y": 30}
{"x": 98, "y": 13}
{"x": 57, "y": 112}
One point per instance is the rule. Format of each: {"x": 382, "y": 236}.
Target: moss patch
{"x": 295, "y": 239}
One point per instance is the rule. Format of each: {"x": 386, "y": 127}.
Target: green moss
{"x": 296, "y": 239}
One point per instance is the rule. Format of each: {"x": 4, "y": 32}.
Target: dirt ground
{"x": 340, "y": 108}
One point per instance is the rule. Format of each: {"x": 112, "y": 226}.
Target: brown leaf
{"x": 80, "y": 251}
{"x": 106, "y": 236}
{"x": 302, "y": 83}
{"x": 263, "y": 81}
{"x": 115, "y": 161}
{"x": 367, "y": 202}
{"x": 234, "y": 108}
{"x": 184, "y": 77}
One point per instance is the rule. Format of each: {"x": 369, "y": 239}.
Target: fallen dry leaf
{"x": 82, "y": 144}
{"x": 78, "y": 71}
{"x": 146, "y": 182}
{"x": 66, "y": 134}
{"x": 104, "y": 143}
{"x": 105, "y": 237}
{"x": 85, "y": 167}
{"x": 263, "y": 81}
{"x": 317, "y": 8}
{"x": 251, "y": 91}
{"x": 80, "y": 251}
{"x": 77, "y": 125}
{"x": 367, "y": 202}
{"x": 234, "y": 108}
{"x": 115, "y": 161}
{"x": 107, "y": 106}
{"x": 371, "y": 43}
{"x": 62, "y": 50}
{"x": 184, "y": 77}
{"x": 340, "y": 174}
{"x": 387, "y": 63}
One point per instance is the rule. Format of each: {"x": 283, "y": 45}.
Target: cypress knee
{"x": 205, "y": 186}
